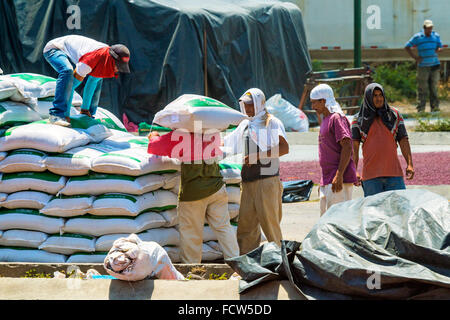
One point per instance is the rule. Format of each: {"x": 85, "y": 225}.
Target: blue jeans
{"x": 381, "y": 184}
{"x": 91, "y": 94}
{"x": 64, "y": 84}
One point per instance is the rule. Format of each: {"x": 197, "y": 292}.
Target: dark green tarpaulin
{"x": 393, "y": 245}
{"x": 249, "y": 44}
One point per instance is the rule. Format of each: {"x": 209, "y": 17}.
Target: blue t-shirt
{"x": 426, "y": 47}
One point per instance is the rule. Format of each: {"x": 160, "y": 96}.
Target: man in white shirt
{"x": 92, "y": 59}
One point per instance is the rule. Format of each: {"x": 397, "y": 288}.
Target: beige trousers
{"x": 191, "y": 218}
{"x": 328, "y": 197}
{"x": 260, "y": 208}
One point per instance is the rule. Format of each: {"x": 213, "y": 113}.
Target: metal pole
{"x": 357, "y": 34}
{"x": 205, "y": 63}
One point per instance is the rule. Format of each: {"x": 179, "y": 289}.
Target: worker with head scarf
{"x": 379, "y": 128}
{"x": 262, "y": 140}
{"x": 335, "y": 149}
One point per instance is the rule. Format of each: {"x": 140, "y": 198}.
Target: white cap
{"x": 427, "y": 23}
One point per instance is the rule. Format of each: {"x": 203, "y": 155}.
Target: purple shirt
{"x": 334, "y": 128}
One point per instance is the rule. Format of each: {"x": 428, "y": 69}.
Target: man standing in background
{"x": 428, "y": 45}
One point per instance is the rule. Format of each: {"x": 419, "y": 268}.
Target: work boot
{"x": 59, "y": 121}
{"x": 86, "y": 112}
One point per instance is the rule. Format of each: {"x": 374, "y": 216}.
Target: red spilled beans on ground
{"x": 431, "y": 168}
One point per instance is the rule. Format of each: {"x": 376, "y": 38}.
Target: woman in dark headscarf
{"x": 380, "y": 127}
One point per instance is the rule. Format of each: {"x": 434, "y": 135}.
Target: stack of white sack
{"x": 132, "y": 259}
{"x": 56, "y": 201}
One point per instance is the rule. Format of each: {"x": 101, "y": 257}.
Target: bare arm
{"x": 356, "y": 144}
{"x": 338, "y": 180}
{"x": 412, "y": 55}
{"x": 406, "y": 152}
{"x": 77, "y": 76}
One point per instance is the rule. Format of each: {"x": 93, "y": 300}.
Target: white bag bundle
{"x": 208, "y": 253}
{"x": 233, "y": 210}
{"x": 38, "y": 181}
{"x": 14, "y": 113}
{"x": 132, "y": 259}
{"x": 134, "y": 162}
{"x": 162, "y": 236}
{"x": 32, "y": 84}
{"x": 76, "y": 161}
{"x": 29, "y": 219}
{"x": 15, "y": 254}
{"x": 43, "y": 136}
{"x": 230, "y": 172}
{"x": 92, "y": 257}
{"x": 7, "y": 89}
{"x": 101, "y": 225}
{"x": 68, "y": 244}
{"x": 114, "y": 204}
{"x": 27, "y": 200}
{"x": 183, "y": 112}
{"x": 68, "y": 206}
{"x": 292, "y": 118}
{"x": 100, "y": 183}
{"x": 24, "y": 160}
{"x": 234, "y": 194}
{"x": 22, "y": 238}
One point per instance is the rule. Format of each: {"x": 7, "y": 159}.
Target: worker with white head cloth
{"x": 262, "y": 140}
{"x": 335, "y": 149}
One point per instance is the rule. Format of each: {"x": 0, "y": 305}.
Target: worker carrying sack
{"x": 189, "y": 108}
{"x": 132, "y": 259}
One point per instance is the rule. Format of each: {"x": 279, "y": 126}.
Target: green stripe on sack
{"x": 72, "y": 235}
{"x": 18, "y": 248}
{"x": 94, "y": 217}
{"x": 47, "y": 176}
{"x": 206, "y": 102}
{"x": 68, "y": 156}
{"x": 109, "y": 123}
{"x": 28, "y": 152}
{"x": 158, "y": 209}
{"x": 120, "y": 155}
{"x": 100, "y": 176}
{"x": 41, "y": 79}
{"x": 117, "y": 196}
{"x": 2, "y": 108}
{"x": 142, "y": 142}
{"x": 224, "y": 166}
{"x": 26, "y": 211}
{"x": 64, "y": 197}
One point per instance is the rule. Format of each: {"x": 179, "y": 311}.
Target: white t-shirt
{"x": 75, "y": 47}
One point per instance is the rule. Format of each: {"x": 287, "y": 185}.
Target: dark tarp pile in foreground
{"x": 394, "y": 245}
{"x": 297, "y": 190}
{"x": 251, "y": 43}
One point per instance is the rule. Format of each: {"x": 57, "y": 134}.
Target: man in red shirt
{"x": 92, "y": 59}
{"x": 380, "y": 127}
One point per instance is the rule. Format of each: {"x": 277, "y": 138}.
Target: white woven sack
{"x": 38, "y": 181}
{"x": 21, "y": 160}
{"x": 234, "y": 194}
{"x": 208, "y": 253}
{"x": 231, "y": 173}
{"x": 30, "y": 255}
{"x": 183, "y": 112}
{"x": 33, "y": 84}
{"x": 101, "y": 225}
{"x": 125, "y": 140}
{"x": 93, "y": 257}
{"x": 68, "y": 206}
{"x": 43, "y": 136}
{"x": 29, "y": 219}
{"x": 133, "y": 162}
{"x": 22, "y": 238}
{"x": 99, "y": 183}
{"x": 3, "y": 197}
{"x": 96, "y": 130}
{"x": 109, "y": 119}
{"x": 27, "y": 200}
{"x": 171, "y": 217}
{"x": 129, "y": 205}
{"x": 68, "y": 244}
{"x": 12, "y": 113}
{"x": 3, "y": 155}
{"x": 76, "y": 161}
{"x": 162, "y": 236}
{"x": 7, "y": 88}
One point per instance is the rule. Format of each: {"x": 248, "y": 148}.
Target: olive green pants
{"x": 260, "y": 208}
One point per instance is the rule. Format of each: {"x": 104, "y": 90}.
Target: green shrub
{"x": 427, "y": 125}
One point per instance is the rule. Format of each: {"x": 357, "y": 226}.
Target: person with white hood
{"x": 335, "y": 149}
{"x": 262, "y": 140}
